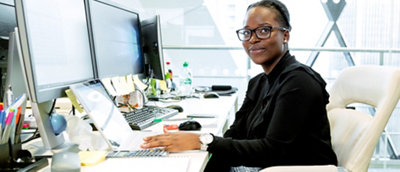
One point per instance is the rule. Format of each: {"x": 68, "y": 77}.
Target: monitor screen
{"x": 152, "y": 48}
{"x": 55, "y": 46}
{"x": 116, "y": 40}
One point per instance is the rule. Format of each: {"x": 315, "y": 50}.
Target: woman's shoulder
{"x": 302, "y": 70}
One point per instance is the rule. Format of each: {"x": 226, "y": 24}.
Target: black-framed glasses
{"x": 263, "y": 32}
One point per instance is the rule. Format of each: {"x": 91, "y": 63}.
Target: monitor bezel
{"x": 37, "y": 94}
{"x": 88, "y": 5}
{"x": 154, "y": 55}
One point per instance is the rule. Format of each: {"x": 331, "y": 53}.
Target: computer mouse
{"x": 211, "y": 94}
{"x": 190, "y": 125}
{"x": 65, "y": 161}
{"x": 177, "y": 107}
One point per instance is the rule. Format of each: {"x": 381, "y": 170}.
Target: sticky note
{"x": 73, "y": 100}
{"x": 107, "y": 83}
{"x": 117, "y": 85}
{"x": 124, "y": 85}
{"x": 129, "y": 81}
{"x": 139, "y": 83}
{"x": 120, "y": 85}
{"x": 163, "y": 85}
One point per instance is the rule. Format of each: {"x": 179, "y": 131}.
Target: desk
{"x": 223, "y": 108}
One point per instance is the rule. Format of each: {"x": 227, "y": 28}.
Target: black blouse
{"x": 283, "y": 121}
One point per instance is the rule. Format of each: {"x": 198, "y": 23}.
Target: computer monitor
{"x": 55, "y": 49}
{"x": 152, "y": 47}
{"x": 14, "y": 80}
{"x": 14, "y": 85}
{"x": 115, "y": 36}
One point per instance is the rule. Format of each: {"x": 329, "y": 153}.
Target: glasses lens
{"x": 244, "y": 34}
{"x": 263, "y": 32}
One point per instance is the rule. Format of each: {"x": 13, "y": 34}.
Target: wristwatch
{"x": 205, "y": 140}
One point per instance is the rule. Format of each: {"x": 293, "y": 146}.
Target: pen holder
{"x": 5, "y": 155}
{"x": 12, "y": 157}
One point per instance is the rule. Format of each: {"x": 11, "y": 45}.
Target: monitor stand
{"x": 41, "y": 113}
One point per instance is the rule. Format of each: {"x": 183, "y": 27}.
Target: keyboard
{"x": 138, "y": 153}
{"x": 140, "y": 119}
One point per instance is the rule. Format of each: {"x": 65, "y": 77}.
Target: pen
{"x": 20, "y": 122}
{"x": 12, "y": 130}
{"x": 2, "y": 115}
{"x": 18, "y": 102}
{"x": 18, "y": 115}
{"x": 10, "y": 96}
{"x": 7, "y": 128}
{"x": 1, "y": 120}
{"x": 1, "y": 131}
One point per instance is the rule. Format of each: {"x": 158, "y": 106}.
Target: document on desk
{"x": 148, "y": 164}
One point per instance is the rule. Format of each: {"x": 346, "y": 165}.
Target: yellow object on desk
{"x": 163, "y": 85}
{"x": 73, "y": 100}
{"x": 89, "y": 158}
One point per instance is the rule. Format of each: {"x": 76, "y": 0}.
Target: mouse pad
{"x": 106, "y": 116}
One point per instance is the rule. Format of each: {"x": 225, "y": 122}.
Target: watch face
{"x": 206, "y": 138}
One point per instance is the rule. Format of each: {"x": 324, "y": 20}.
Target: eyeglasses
{"x": 263, "y": 32}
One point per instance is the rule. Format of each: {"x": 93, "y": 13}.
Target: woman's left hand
{"x": 173, "y": 142}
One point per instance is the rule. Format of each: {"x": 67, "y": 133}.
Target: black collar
{"x": 282, "y": 64}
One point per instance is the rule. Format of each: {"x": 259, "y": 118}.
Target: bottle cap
{"x": 168, "y": 75}
{"x": 185, "y": 64}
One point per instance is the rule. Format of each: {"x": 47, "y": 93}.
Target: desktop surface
{"x": 223, "y": 108}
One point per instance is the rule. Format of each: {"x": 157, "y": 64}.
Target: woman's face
{"x": 268, "y": 51}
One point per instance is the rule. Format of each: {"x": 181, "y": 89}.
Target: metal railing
{"x": 381, "y": 51}
{"x": 233, "y": 47}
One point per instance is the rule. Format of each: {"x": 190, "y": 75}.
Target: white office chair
{"x": 354, "y": 133}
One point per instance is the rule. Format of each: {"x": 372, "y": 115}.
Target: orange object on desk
{"x": 171, "y": 127}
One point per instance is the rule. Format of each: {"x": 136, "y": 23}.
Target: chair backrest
{"x": 354, "y": 133}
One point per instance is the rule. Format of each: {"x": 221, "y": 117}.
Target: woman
{"x": 283, "y": 120}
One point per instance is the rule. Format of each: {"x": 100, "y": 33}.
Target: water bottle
{"x": 168, "y": 77}
{"x": 186, "y": 80}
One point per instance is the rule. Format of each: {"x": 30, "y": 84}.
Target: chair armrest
{"x": 309, "y": 168}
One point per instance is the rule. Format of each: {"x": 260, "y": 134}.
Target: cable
{"x": 34, "y": 136}
{"x": 147, "y": 83}
{"x": 73, "y": 110}
{"x": 52, "y": 107}
{"x": 144, "y": 98}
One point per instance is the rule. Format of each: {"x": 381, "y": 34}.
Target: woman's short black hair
{"x": 283, "y": 16}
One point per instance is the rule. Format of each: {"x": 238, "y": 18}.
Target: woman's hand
{"x": 173, "y": 142}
